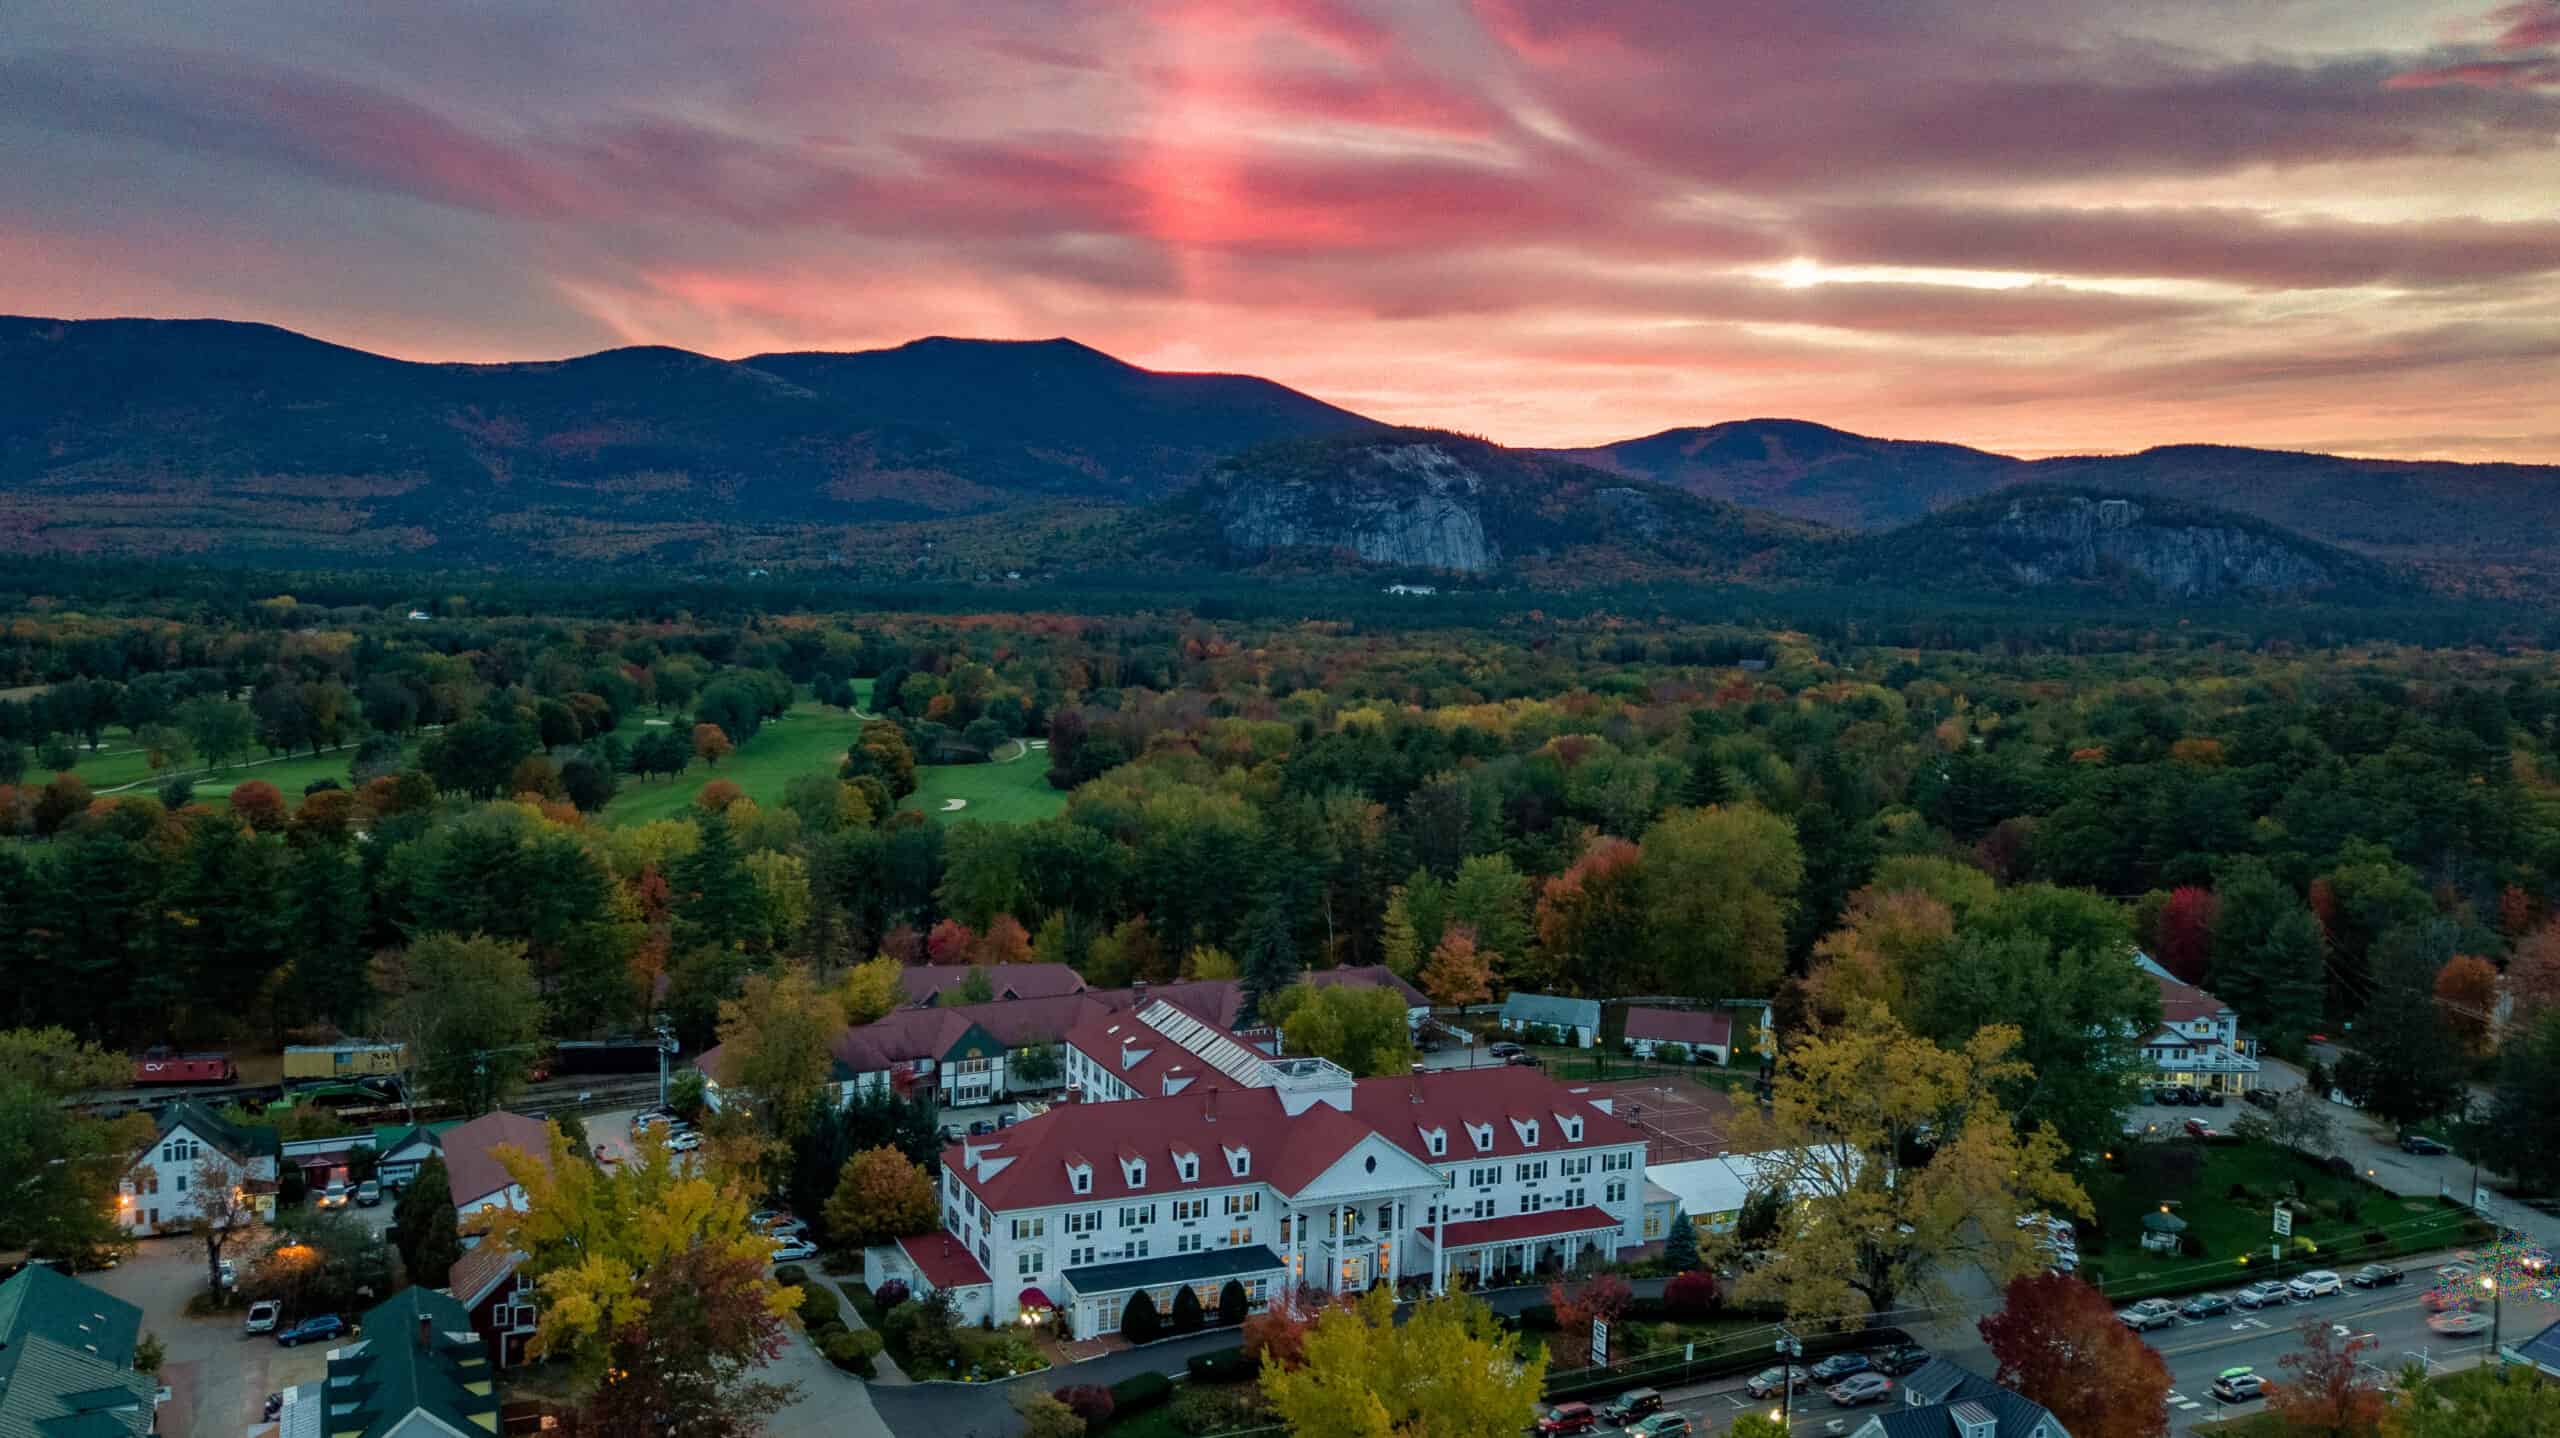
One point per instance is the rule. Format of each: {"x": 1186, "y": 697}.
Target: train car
{"x": 623, "y": 1055}
{"x": 167, "y": 1065}
{"x": 352, "y": 1058}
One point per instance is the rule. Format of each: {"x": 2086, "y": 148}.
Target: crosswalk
{"x": 2182, "y": 1402}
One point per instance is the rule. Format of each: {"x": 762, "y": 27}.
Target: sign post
{"x": 1599, "y": 1343}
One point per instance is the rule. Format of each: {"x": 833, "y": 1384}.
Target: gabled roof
{"x": 479, "y": 1272}
{"x": 235, "y": 1140}
{"x": 1564, "y": 1013}
{"x": 2185, "y": 1003}
{"x": 937, "y": 983}
{"x": 1694, "y": 1027}
{"x": 943, "y": 1260}
{"x": 470, "y": 1152}
{"x": 1368, "y": 976}
{"x": 909, "y": 1035}
{"x": 1931, "y": 1396}
{"x": 418, "y": 1359}
{"x": 2542, "y": 1350}
{"x": 66, "y": 1355}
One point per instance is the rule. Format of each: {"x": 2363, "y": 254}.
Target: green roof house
{"x": 66, "y": 1361}
{"x": 418, "y": 1372}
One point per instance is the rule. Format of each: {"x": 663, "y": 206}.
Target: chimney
{"x": 1138, "y": 995}
{"x": 1417, "y": 1083}
{"x": 426, "y": 1333}
{"x": 1209, "y": 1106}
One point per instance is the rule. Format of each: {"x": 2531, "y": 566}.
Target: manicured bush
{"x": 1232, "y": 1304}
{"x": 1139, "y": 1392}
{"x": 1692, "y": 1295}
{"x": 1187, "y": 1317}
{"x": 1227, "y": 1365}
{"x": 1088, "y": 1401}
{"x": 1214, "y": 1410}
{"x": 1140, "y": 1323}
{"x": 851, "y": 1349}
{"x": 791, "y": 1273}
{"x": 819, "y": 1307}
{"x": 892, "y": 1293}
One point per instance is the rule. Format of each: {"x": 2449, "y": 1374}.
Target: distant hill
{"x": 2479, "y": 527}
{"x": 1432, "y": 502}
{"x": 153, "y": 436}
{"x": 2052, "y": 536}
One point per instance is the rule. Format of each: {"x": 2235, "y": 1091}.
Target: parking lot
{"x": 218, "y": 1376}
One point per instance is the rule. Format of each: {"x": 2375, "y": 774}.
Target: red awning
{"x": 1519, "y": 1228}
{"x": 1033, "y": 1298}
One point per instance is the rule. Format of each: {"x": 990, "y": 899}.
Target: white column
{"x": 1572, "y": 1249}
{"x": 1440, "y": 1246}
{"x": 1395, "y": 1240}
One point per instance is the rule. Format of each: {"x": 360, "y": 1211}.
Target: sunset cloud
{"x": 1555, "y": 221}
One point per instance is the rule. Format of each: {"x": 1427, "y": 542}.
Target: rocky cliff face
{"x": 2076, "y": 537}
{"x": 1414, "y": 505}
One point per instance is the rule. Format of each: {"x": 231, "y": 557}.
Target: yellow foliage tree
{"x": 1449, "y": 1371}
{"x": 773, "y": 1044}
{"x": 591, "y": 1236}
{"x": 870, "y": 990}
{"x": 1865, "y": 1231}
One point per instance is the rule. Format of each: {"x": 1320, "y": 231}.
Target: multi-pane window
{"x": 1187, "y": 1209}
{"x": 1573, "y": 1197}
{"x": 1138, "y": 1215}
{"x": 1188, "y": 1243}
{"x": 1617, "y": 1190}
{"x": 1617, "y": 1162}
{"x": 1239, "y": 1237}
{"x": 1484, "y": 1208}
{"x": 1030, "y": 1263}
{"x": 1030, "y": 1228}
{"x": 1529, "y": 1172}
{"x": 1085, "y": 1221}
{"x": 1484, "y": 1177}
{"x": 1239, "y": 1204}
{"x": 1573, "y": 1167}
{"x": 1528, "y": 1203}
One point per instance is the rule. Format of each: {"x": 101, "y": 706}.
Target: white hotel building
{"x": 1225, "y": 1165}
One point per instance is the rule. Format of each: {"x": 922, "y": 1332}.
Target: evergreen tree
{"x": 2399, "y": 1063}
{"x": 2267, "y": 956}
{"x": 1680, "y": 1246}
{"x": 428, "y": 1239}
{"x": 1139, "y": 1322}
{"x": 1270, "y": 957}
{"x": 1187, "y": 1316}
{"x": 332, "y": 976}
{"x": 2522, "y": 1116}
{"x": 1231, "y": 1304}
{"x": 715, "y": 897}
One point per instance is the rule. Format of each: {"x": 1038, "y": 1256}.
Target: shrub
{"x": 892, "y": 1293}
{"x": 1213, "y": 1410}
{"x": 1277, "y": 1334}
{"x": 1537, "y": 1318}
{"x": 1088, "y": 1401}
{"x": 851, "y": 1349}
{"x": 923, "y": 1336}
{"x": 1232, "y": 1304}
{"x": 1692, "y": 1295}
{"x": 1187, "y": 1317}
{"x": 1227, "y": 1365}
{"x": 1140, "y": 1323}
{"x": 1045, "y": 1417}
{"x": 792, "y": 1274}
{"x": 2374, "y": 1238}
{"x": 819, "y": 1307}
{"x": 1139, "y": 1392}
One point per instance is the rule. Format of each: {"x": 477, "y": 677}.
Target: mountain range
{"x": 206, "y": 436}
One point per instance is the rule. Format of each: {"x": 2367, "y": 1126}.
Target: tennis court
{"x": 1682, "y": 1119}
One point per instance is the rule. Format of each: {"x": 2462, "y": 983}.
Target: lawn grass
{"x": 1014, "y": 793}
{"x": 2328, "y": 1233}
{"x": 809, "y": 738}
{"x": 120, "y": 764}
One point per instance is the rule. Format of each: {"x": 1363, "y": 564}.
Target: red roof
{"x": 1285, "y": 1152}
{"x": 470, "y": 1158}
{"x": 2185, "y": 1003}
{"x": 1111, "y": 1040}
{"x": 479, "y": 1271}
{"x": 926, "y": 983}
{"x": 1521, "y": 1227}
{"x": 944, "y": 1261}
{"x": 1694, "y": 1027}
{"x": 931, "y": 1033}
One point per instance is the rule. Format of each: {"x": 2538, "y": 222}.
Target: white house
{"x": 1943, "y": 1400}
{"x": 1577, "y": 1019}
{"x": 2198, "y": 1042}
{"x": 158, "y": 1193}
{"x": 1310, "y": 1177}
{"x": 471, "y": 1164}
{"x": 1697, "y": 1035}
{"x": 399, "y": 1152}
{"x": 1712, "y": 1190}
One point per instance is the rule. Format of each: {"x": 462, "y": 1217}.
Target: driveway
{"x": 2374, "y": 1148}
{"x": 217, "y": 1375}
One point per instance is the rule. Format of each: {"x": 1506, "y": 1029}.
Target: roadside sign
{"x": 2284, "y": 1222}
{"x": 1599, "y": 1343}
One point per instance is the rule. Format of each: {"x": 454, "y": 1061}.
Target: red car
{"x": 1569, "y": 1418}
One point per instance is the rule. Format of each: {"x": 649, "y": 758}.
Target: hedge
{"x": 1226, "y": 1365}
{"x": 851, "y": 1349}
{"x": 1672, "y": 1369}
{"x": 1139, "y": 1392}
{"x": 819, "y": 1307}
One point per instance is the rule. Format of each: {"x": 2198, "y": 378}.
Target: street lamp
{"x": 1790, "y": 1348}
{"x": 2497, "y": 1313}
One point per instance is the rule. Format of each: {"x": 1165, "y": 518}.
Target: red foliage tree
{"x": 2322, "y": 1397}
{"x": 1596, "y": 1299}
{"x": 2060, "y": 1343}
{"x": 1004, "y": 942}
{"x": 950, "y": 942}
{"x": 2466, "y": 995}
{"x": 258, "y": 804}
{"x": 1692, "y": 1295}
{"x": 1592, "y": 916}
{"x": 2185, "y": 934}
{"x": 2515, "y": 911}
{"x": 2533, "y": 973}
{"x": 904, "y": 944}
{"x": 716, "y": 796}
{"x": 1277, "y": 1334}
{"x": 689, "y": 1368}
{"x": 2323, "y": 897}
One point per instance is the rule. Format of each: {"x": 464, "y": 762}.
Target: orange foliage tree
{"x": 2466, "y": 994}
{"x": 2324, "y": 1395}
{"x": 258, "y": 804}
{"x": 711, "y": 744}
{"x": 1457, "y": 973}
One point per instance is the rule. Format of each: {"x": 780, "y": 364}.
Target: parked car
{"x": 2239, "y": 1387}
{"x": 326, "y": 1325}
{"x": 2318, "y": 1283}
{"x": 335, "y": 1195}
{"x": 2422, "y": 1146}
{"x": 793, "y": 1249}
{"x": 368, "y": 1194}
{"x": 2536, "y": 1260}
{"x": 2454, "y": 1272}
{"x": 2262, "y": 1295}
{"x": 1765, "y": 1383}
{"x": 262, "y": 1316}
{"x": 2375, "y": 1275}
{"x": 1631, "y": 1405}
{"x": 2150, "y": 1313}
{"x": 1839, "y": 1366}
{"x": 230, "y": 1274}
{"x": 1860, "y": 1388}
{"x": 685, "y": 1142}
{"x": 2205, "y": 1305}
{"x": 2213, "y": 1098}
{"x": 1525, "y": 1061}
{"x": 1505, "y": 1050}
{"x": 1898, "y": 1359}
{"x": 2198, "y": 1128}
{"x": 2259, "y": 1098}
{"x": 1569, "y": 1418}
{"x": 980, "y": 1128}
{"x": 2459, "y": 1322}
{"x": 274, "y": 1407}
{"x": 1663, "y": 1425}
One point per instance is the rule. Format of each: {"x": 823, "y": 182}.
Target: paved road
{"x": 217, "y": 1375}
{"x": 2374, "y": 1148}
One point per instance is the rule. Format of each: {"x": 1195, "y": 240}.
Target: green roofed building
{"x": 418, "y": 1372}
{"x": 66, "y": 1361}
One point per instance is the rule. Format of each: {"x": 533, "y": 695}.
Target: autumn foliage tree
{"x": 2466, "y": 995}
{"x": 2182, "y": 937}
{"x": 2322, "y": 1397}
{"x": 711, "y": 744}
{"x": 2059, "y": 1342}
{"x": 1597, "y": 1299}
{"x": 2533, "y": 972}
{"x": 1451, "y": 1368}
{"x": 881, "y": 1195}
{"x": 1457, "y": 973}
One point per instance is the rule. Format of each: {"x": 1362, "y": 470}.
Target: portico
{"x": 1493, "y": 1248}
{"x": 1348, "y": 1228}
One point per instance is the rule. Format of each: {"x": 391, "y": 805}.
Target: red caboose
{"x": 165, "y": 1065}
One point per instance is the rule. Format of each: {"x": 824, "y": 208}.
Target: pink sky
{"x": 2032, "y": 225}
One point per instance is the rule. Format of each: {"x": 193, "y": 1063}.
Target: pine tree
{"x": 1270, "y": 956}
{"x": 1139, "y": 1322}
{"x": 1231, "y": 1304}
{"x": 2398, "y": 1064}
{"x": 1680, "y": 1246}
{"x": 331, "y": 975}
{"x": 715, "y": 897}
{"x": 1187, "y": 1315}
{"x": 1396, "y": 946}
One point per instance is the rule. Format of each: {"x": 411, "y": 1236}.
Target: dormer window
{"x": 1482, "y": 1134}
{"x": 1572, "y": 1126}
{"x": 1239, "y": 1161}
{"x": 1080, "y": 1176}
{"x": 1527, "y": 1128}
{"x": 1187, "y": 1165}
{"x": 1436, "y": 1141}
{"x": 1133, "y": 1171}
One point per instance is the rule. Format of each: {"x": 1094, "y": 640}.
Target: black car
{"x": 2375, "y": 1275}
{"x": 1839, "y": 1366}
{"x": 2205, "y": 1305}
{"x": 1900, "y": 1358}
{"x": 2422, "y": 1146}
{"x": 2213, "y": 1098}
{"x": 980, "y": 1128}
{"x": 1631, "y": 1405}
{"x": 2258, "y": 1098}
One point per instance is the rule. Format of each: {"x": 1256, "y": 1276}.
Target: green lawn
{"x": 2230, "y": 1228}
{"x": 809, "y": 739}
{"x": 119, "y": 764}
{"x": 1014, "y": 793}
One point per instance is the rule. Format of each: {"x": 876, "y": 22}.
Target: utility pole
{"x": 2497, "y": 1312}
{"x": 1790, "y": 1348}
{"x": 666, "y": 1050}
